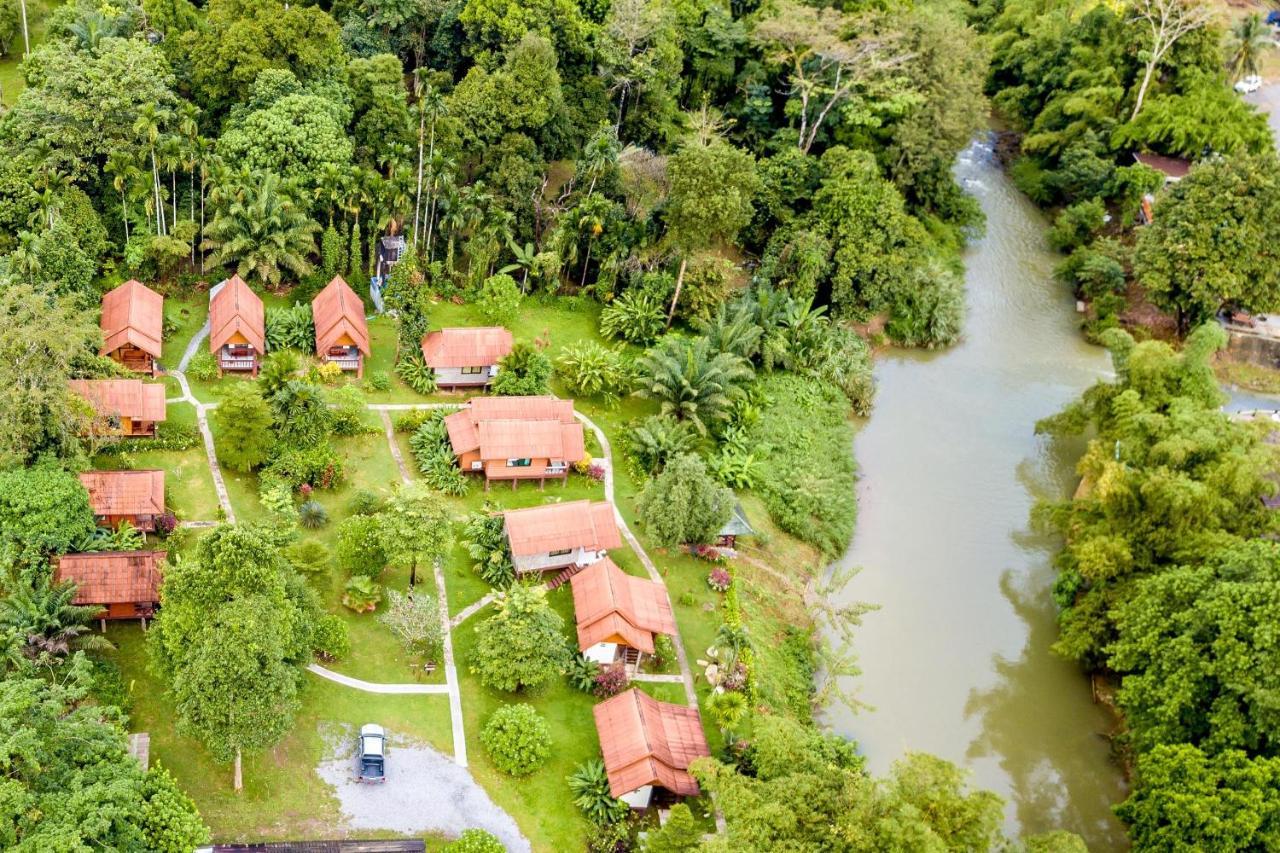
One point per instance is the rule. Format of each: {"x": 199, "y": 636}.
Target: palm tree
{"x": 1248, "y": 39}
{"x": 123, "y": 171}
{"x": 25, "y": 258}
{"x": 692, "y": 382}
{"x": 591, "y": 214}
{"x": 441, "y": 170}
{"x": 147, "y": 127}
{"x": 171, "y": 157}
{"x": 431, "y": 108}
{"x": 260, "y": 228}
{"x": 48, "y": 620}
{"x": 599, "y": 155}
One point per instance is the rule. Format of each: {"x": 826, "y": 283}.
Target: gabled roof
{"x": 609, "y": 604}
{"x": 338, "y": 311}
{"x": 466, "y": 347}
{"x": 1174, "y": 168}
{"x": 555, "y": 527}
{"x": 126, "y": 398}
{"x": 531, "y": 440}
{"x": 125, "y": 492}
{"x": 132, "y": 314}
{"x": 464, "y": 425}
{"x": 113, "y": 577}
{"x": 737, "y": 525}
{"x": 647, "y": 742}
{"x": 235, "y": 308}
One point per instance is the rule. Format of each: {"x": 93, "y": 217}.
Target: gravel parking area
{"x": 424, "y": 792}
{"x": 1267, "y": 99}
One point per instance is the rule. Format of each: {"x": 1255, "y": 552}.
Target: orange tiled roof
{"x": 338, "y": 311}
{"x": 125, "y": 492}
{"x": 647, "y": 742}
{"x": 132, "y": 314}
{"x": 530, "y": 440}
{"x": 127, "y": 398}
{"x": 236, "y": 308}
{"x": 465, "y": 434}
{"x": 555, "y": 527}
{"x": 609, "y": 604}
{"x": 466, "y": 347}
{"x": 113, "y": 577}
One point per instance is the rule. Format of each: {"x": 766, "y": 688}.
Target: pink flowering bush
{"x": 719, "y": 580}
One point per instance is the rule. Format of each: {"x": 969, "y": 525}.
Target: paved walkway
{"x": 372, "y": 687}
{"x": 202, "y": 421}
{"x": 471, "y": 610}
{"x": 686, "y": 674}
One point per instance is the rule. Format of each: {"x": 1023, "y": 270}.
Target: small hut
{"x": 342, "y": 334}
{"x": 559, "y": 536}
{"x": 123, "y": 407}
{"x": 736, "y": 526}
{"x": 132, "y": 326}
{"x": 517, "y": 438}
{"x": 648, "y": 744}
{"x": 237, "y": 326}
{"x": 125, "y": 584}
{"x": 618, "y": 615}
{"x": 1174, "y": 169}
{"x": 119, "y": 496}
{"x": 466, "y": 357}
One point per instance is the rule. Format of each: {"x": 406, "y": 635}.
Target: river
{"x": 956, "y": 661}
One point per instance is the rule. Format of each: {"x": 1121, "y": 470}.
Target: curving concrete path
{"x": 374, "y": 687}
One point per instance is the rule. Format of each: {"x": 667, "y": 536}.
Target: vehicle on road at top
{"x": 1252, "y": 83}
{"x": 371, "y": 753}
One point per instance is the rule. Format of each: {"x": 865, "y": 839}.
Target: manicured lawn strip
{"x": 283, "y": 797}
{"x": 12, "y": 82}
{"x": 188, "y": 485}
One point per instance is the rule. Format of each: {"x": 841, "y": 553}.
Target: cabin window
{"x": 338, "y": 352}
{"x": 472, "y": 371}
{"x": 563, "y": 552}
{"x": 519, "y": 463}
{"x": 476, "y": 466}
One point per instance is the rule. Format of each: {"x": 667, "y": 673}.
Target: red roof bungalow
{"x": 559, "y": 536}
{"x": 648, "y": 744}
{"x": 466, "y": 357}
{"x": 126, "y": 584}
{"x": 132, "y": 326}
{"x": 118, "y": 496}
{"x": 342, "y": 335}
{"x": 516, "y": 438}
{"x": 237, "y": 326}
{"x": 618, "y": 615}
{"x": 124, "y": 407}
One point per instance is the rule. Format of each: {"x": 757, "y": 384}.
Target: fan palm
{"x": 1248, "y": 39}
{"x": 692, "y": 382}
{"x": 261, "y": 230}
{"x": 48, "y": 620}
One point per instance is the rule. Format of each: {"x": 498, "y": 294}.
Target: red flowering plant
{"x": 720, "y": 580}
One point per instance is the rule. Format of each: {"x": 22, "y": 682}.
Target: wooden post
{"x": 102, "y": 625}
{"x": 239, "y": 778}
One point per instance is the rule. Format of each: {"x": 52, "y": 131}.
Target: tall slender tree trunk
{"x": 684, "y": 262}
{"x": 124, "y": 215}
{"x": 202, "y": 187}
{"x": 173, "y": 183}
{"x": 417, "y": 202}
{"x": 1142, "y": 90}
{"x": 239, "y": 775}
{"x": 155, "y": 189}
{"x": 26, "y": 36}
{"x": 586, "y": 262}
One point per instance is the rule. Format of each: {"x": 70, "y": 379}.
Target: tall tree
{"x": 415, "y": 526}
{"x": 692, "y": 382}
{"x": 261, "y": 229}
{"x": 712, "y": 185}
{"x": 235, "y": 629}
{"x": 1165, "y": 23}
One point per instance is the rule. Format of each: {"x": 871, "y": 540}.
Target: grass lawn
{"x": 12, "y": 81}
{"x": 283, "y": 796}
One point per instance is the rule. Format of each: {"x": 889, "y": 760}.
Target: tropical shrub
{"x": 329, "y": 638}
{"x": 434, "y": 456}
{"x": 664, "y": 651}
{"x": 319, "y": 465}
{"x": 203, "y": 367}
{"x": 1077, "y": 224}
{"x": 346, "y": 410}
{"x": 475, "y": 841}
{"x": 517, "y": 739}
{"x": 524, "y": 371}
{"x": 365, "y": 502}
{"x": 720, "y": 580}
{"x": 243, "y": 422}
{"x": 290, "y": 328}
{"x": 486, "y": 540}
{"x": 378, "y": 381}
{"x": 582, "y": 673}
{"x": 361, "y": 594}
{"x": 301, "y": 411}
{"x": 589, "y": 785}
{"x": 636, "y": 317}
{"x": 309, "y": 556}
{"x": 589, "y": 369}
{"x": 413, "y": 371}
{"x": 499, "y": 299}
{"x": 312, "y": 515}
{"x": 610, "y": 681}
{"x": 326, "y": 373}
{"x": 360, "y": 546}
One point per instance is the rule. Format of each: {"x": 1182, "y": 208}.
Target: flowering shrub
{"x": 611, "y": 681}
{"x": 710, "y": 553}
{"x": 166, "y": 523}
{"x": 719, "y": 580}
{"x": 583, "y": 465}
{"x": 596, "y": 472}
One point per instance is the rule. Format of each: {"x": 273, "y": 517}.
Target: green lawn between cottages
{"x": 540, "y": 804}
{"x": 12, "y": 81}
